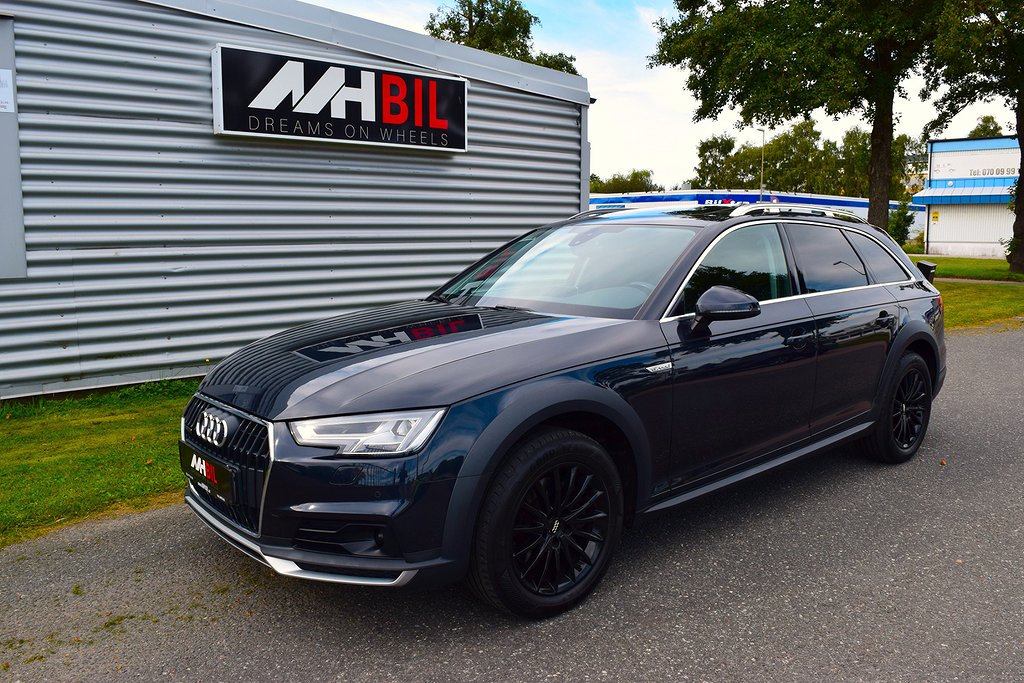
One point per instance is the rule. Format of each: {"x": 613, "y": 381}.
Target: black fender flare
{"x": 523, "y": 409}
{"x": 911, "y": 333}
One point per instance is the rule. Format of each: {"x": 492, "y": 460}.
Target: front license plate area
{"x": 207, "y": 474}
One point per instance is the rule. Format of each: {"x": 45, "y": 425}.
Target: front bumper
{"x": 301, "y": 564}
{"x": 305, "y": 513}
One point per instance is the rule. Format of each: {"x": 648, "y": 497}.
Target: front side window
{"x": 750, "y": 259}
{"x": 604, "y": 269}
{"x": 825, "y": 259}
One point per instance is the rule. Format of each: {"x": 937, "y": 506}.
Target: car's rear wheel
{"x": 907, "y": 407}
{"x": 548, "y": 526}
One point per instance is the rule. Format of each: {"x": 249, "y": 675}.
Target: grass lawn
{"x": 972, "y": 268}
{"x": 62, "y": 460}
{"x": 972, "y": 304}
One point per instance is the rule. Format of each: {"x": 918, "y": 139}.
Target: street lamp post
{"x": 760, "y": 196}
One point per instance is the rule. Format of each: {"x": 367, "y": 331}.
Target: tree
{"x": 987, "y": 127}
{"x": 712, "y": 155}
{"x": 799, "y": 160}
{"x": 855, "y": 158}
{"x": 775, "y": 61}
{"x": 978, "y": 55}
{"x": 503, "y": 27}
{"x": 795, "y": 161}
{"x": 634, "y": 181}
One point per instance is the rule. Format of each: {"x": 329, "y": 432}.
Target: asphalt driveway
{"x": 831, "y": 569}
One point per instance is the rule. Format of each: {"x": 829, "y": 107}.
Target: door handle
{"x": 885, "y": 319}
{"x": 798, "y": 341}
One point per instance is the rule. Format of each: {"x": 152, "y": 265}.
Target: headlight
{"x": 378, "y": 434}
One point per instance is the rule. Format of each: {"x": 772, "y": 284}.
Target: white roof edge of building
{"x": 989, "y": 190}
{"x": 304, "y": 20}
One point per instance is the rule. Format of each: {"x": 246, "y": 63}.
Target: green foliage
{"x": 719, "y": 164}
{"x": 900, "y": 221}
{"x": 799, "y": 160}
{"x": 62, "y": 460}
{"x": 503, "y": 27}
{"x": 559, "y": 61}
{"x": 915, "y": 245}
{"x": 775, "y": 61}
{"x": 634, "y": 181}
{"x": 987, "y": 127}
{"x": 855, "y": 157}
{"x": 977, "y": 55}
{"x": 1009, "y": 246}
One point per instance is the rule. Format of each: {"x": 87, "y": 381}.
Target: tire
{"x": 906, "y": 409}
{"x": 548, "y": 526}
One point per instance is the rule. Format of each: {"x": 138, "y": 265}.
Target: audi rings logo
{"x": 212, "y": 429}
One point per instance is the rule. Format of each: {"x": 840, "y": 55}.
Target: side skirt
{"x": 828, "y": 442}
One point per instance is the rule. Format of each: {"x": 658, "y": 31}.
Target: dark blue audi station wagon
{"x": 505, "y": 429}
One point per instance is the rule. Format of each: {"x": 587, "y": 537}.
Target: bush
{"x": 915, "y": 245}
{"x": 900, "y": 221}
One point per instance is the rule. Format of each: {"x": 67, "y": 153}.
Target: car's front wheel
{"x": 906, "y": 408}
{"x": 548, "y": 526}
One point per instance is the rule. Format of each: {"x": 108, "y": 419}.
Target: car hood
{"x": 408, "y": 355}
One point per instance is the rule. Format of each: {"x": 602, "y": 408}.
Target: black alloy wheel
{"x": 906, "y": 408}
{"x": 548, "y": 526}
{"x": 560, "y": 529}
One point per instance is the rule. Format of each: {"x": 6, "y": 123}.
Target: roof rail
{"x": 590, "y": 213}
{"x": 768, "y": 208}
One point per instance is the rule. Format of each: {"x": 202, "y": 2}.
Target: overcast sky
{"x": 643, "y": 118}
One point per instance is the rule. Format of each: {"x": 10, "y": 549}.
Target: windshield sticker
{"x": 6, "y": 91}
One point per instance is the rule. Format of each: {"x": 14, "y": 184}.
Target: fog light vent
{"x": 365, "y": 540}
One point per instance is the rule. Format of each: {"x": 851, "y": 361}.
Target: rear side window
{"x": 825, "y": 259}
{"x": 880, "y": 262}
{"x": 750, "y": 259}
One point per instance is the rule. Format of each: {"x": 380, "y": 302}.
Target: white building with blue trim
{"x": 968, "y": 194}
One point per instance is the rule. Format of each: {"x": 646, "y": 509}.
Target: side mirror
{"x": 724, "y": 303}
{"x": 927, "y": 269}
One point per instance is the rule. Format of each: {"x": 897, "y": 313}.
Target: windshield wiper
{"x": 439, "y": 297}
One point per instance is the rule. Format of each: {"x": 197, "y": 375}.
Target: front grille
{"x": 246, "y": 452}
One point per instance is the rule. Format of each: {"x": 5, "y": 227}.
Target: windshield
{"x": 602, "y": 270}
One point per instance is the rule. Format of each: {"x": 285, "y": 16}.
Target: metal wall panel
{"x": 155, "y": 248}
{"x": 969, "y": 229}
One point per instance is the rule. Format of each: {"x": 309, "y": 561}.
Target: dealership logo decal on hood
{"x": 347, "y": 346}
{"x": 265, "y": 94}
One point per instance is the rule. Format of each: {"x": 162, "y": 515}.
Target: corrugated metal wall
{"x": 969, "y": 229}
{"x": 154, "y": 245}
